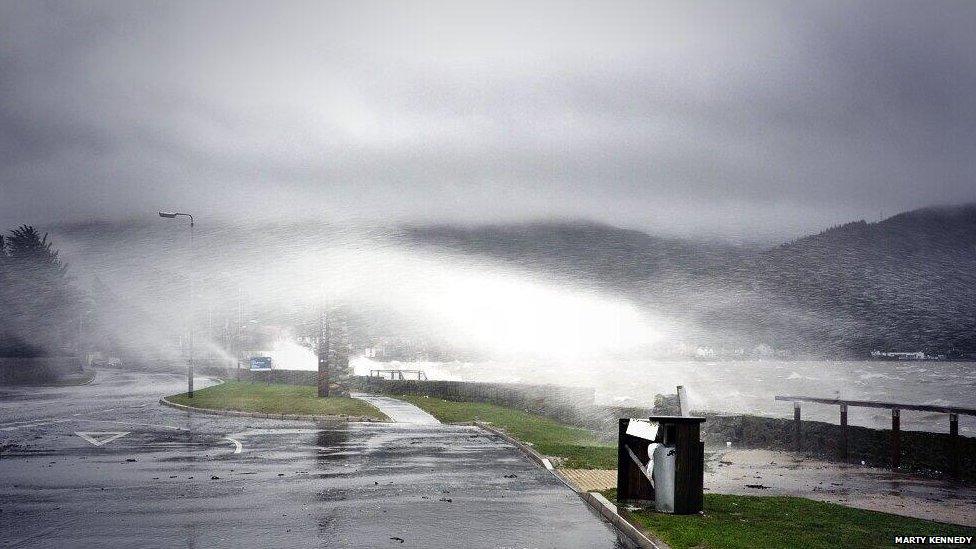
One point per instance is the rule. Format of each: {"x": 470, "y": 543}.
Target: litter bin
{"x": 661, "y": 461}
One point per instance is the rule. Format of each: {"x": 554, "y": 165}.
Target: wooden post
{"x": 684, "y": 407}
{"x": 954, "y": 446}
{"x": 797, "y": 441}
{"x": 895, "y": 438}
{"x": 843, "y": 432}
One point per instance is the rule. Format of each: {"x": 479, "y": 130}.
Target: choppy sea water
{"x": 746, "y": 386}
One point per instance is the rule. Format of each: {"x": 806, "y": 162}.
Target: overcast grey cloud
{"x": 753, "y": 120}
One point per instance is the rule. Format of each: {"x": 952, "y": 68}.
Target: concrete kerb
{"x": 91, "y": 378}
{"x": 609, "y": 511}
{"x": 595, "y": 500}
{"x": 294, "y": 417}
{"x": 85, "y": 377}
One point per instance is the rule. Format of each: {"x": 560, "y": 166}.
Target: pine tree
{"x": 39, "y": 307}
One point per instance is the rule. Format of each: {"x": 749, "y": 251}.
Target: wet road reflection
{"x": 174, "y": 480}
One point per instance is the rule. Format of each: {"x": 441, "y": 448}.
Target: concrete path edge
{"x": 595, "y": 500}
{"x": 297, "y": 417}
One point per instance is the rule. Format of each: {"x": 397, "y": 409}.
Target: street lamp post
{"x": 324, "y": 348}
{"x": 189, "y": 362}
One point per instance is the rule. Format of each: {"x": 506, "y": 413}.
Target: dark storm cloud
{"x": 753, "y": 120}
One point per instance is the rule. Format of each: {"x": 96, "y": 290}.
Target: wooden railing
{"x": 896, "y": 408}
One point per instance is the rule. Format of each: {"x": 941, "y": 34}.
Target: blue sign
{"x": 261, "y": 363}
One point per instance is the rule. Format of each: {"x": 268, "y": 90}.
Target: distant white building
{"x": 705, "y": 352}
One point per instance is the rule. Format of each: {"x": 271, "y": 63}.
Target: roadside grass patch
{"x": 579, "y": 448}
{"x": 276, "y": 399}
{"x": 746, "y": 522}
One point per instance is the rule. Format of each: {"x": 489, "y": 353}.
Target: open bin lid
{"x": 677, "y": 419}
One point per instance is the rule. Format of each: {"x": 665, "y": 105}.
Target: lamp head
{"x": 170, "y": 215}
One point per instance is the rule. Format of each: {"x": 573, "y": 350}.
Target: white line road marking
{"x": 53, "y": 421}
{"x": 176, "y": 444}
{"x": 29, "y": 425}
{"x": 237, "y": 445}
{"x": 133, "y": 423}
{"x": 100, "y": 438}
{"x": 250, "y": 432}
{"x": 95, "y": 412}
{"x": 14, "y": 425}
{"x": 17, "y": 423}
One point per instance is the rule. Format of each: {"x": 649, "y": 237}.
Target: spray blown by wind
{"x": 284, "y": 275}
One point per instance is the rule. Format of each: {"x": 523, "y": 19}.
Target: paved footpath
{"x": 398, "y": 410}
{"x": 104, "y": 465}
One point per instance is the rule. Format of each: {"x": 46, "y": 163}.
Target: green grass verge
{"x": 579, "y": 448}
{"x": 733, "y": 522}
{"x": 275, "y": 399}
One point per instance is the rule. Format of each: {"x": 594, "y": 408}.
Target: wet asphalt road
{"x": 169, "y": 478}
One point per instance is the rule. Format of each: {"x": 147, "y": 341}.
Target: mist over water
{"x": 282, "y": 276}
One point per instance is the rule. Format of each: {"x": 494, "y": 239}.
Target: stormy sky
{"x": 751, "y": 120}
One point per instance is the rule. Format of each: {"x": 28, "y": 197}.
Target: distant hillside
{"x": 905, "y": 283}
{"x": 617, "y": 258}
{"x": 908, "y": 282}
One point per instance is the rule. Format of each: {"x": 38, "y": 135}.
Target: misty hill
{"x": 908, "y": 282}
{"x": 905, "y": 283}
{"x": 606, "y": 255}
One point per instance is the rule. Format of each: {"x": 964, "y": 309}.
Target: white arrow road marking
{"x": 237, "y": 445}
{"x": 100, "y": 438}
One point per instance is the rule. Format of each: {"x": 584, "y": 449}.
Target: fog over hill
{"x": 905, "y": 283}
